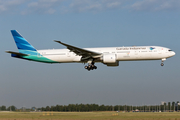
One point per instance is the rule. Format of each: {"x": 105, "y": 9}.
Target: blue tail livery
{"x": 22, "y": 43}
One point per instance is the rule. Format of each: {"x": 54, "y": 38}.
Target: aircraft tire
{"x": 95, "y": 67}
{"x": 162, "y": 64}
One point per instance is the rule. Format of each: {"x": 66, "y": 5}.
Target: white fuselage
{"x": 122, "y": 53}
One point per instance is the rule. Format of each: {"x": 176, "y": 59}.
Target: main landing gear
{"x": 90, "y": 66}
{"x": 162, "y": 64}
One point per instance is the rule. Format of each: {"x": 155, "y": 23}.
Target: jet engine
{"x": 110, "y": 60}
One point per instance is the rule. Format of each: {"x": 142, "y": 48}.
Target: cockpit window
{"x": 169, "y": 50}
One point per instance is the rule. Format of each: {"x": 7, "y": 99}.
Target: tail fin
{"x": 21, "y": 43}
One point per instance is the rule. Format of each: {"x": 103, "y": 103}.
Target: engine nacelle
{"x": 109, "y": 58}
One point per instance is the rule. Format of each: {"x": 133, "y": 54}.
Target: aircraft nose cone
{"x": 173, "y": 53}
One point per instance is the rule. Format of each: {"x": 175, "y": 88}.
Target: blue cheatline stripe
{"x": 22, "y": 44}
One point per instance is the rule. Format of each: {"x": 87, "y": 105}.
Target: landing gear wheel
{"x": 90, "y": 65}
{"x": 162, "y": 64}
{"x": 95, "y": 67}
{"x": 86, "y": 67}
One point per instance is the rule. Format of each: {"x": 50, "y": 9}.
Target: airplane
{"x": 109, "y": 56}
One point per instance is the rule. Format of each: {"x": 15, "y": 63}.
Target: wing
{"x": 16, "y": 53}
{"x": 81, "y": 52}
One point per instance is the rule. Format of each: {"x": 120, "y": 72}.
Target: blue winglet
{"x": 21, "y": 43}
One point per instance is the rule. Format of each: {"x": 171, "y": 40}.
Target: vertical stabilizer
{"x": 21, "y": 43}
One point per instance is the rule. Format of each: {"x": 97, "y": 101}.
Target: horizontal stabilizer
{"x": 16, "y": 53}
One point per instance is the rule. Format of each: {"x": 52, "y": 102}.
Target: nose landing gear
{"x": 162, "y": 64}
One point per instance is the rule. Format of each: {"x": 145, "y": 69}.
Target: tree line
{"x": 96, "y": 107}
{"x": 165, "y": 107}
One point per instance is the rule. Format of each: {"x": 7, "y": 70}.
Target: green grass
{"x": 88, "y": 116}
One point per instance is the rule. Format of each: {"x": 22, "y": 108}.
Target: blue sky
{"x": 89, "y": 23}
